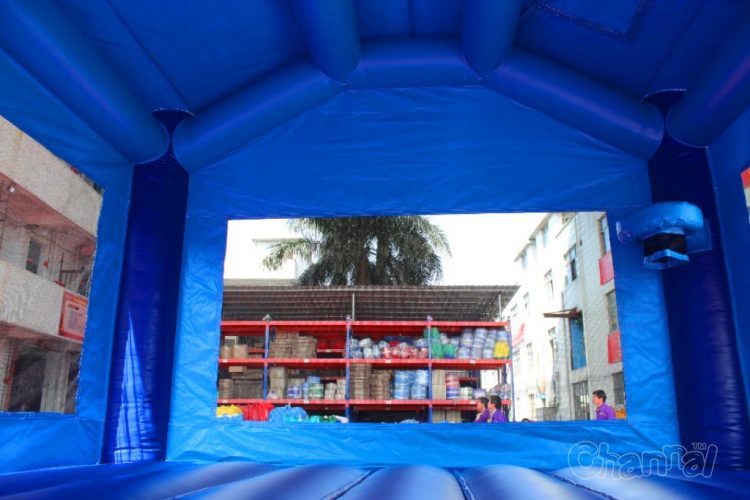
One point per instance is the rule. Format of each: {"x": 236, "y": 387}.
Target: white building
{"x": 48, "y": 223}
{"x": 564, "y": 320}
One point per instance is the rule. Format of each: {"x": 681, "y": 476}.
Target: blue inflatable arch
{"x": 449, "y": 114}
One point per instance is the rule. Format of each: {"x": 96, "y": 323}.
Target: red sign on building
{"x": 614, "y": 349}
{"x": 606, "y": 270}
{"x": 73, "y": 316}
{"x": 519, "y": 335}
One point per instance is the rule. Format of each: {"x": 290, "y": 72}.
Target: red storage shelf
{"x": 359, "y": 327}
{"x": 331, "y": 335}
{"x": 253, "y": 362}
{"x": 326, "y": 403}
{"x": 392, "y": 363}
{"x": 389, "y": 404}
{"x": 308, "y": 362}
{"x": 468, "y": 364}
{"x": 290, "y": 362}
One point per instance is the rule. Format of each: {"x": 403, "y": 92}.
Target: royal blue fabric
{"x": 488, "y": 31}
{"x": 140, "y": 381}
{"x": 331, "y": 32}
{"x": 407, "y": 483}
{"x": 203, "y": 52}
{"x": 299, "y": 483}
{"x": 637, "y": 483}
{"x": 127, "y": 481}
{"x": 504, "y": 481}
{"x": 274, "y": 136}
{"x": 719, "y": 95}
{"x": 391, "y": 151}
{"x": 653, "y": 42}
{"x": 249, "y": 480}
{"x": 396, "y": 151}
{"x": 37, "y": 36}
{"x": 729, "y": 155}
{"x": 704, "y": 347}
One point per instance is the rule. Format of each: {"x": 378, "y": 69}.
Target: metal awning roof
{"x": 415, "y": 303}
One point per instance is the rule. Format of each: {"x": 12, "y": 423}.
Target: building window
{"x": 552, "y": 336}
{"x": 530, "y": 355}
{"x": 517, "y": 357}
{"x": 532, "y": 405}
{"x": 548, "y": 284}
{"x": 577, "y": 343}
{"x": 514, "y": 312}
{"x": 524, "y": 261}
{"x": 33, "y": 256}
{"x": 612, "y": 311}
{"x": 571, "y": 265}
{"x": 545, "y": 235}
{"x": 604, "y": 235}
{"x": 581, "y": 401}
{"x": 525, "y": 301}
{"x": 618, "y": 388}
{"x": 567, "y": 217}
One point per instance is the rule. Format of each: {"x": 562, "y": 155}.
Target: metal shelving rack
{"x": 267, "y": 328}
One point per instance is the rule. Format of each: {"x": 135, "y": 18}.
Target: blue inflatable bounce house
{"x": 191, "y": 113}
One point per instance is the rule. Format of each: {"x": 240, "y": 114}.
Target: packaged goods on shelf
{"x": 479, "y": 393}
{"x": 380, "y": 384}
{"x": 452, "y": 386}
{"x": 257, "y": 412}
{"x": 450, "y": 416}
{"x": 247, "y": 384}
{"x": 304, "y": 347}
{"x": 229, "y": 411}
{"x": 340, "y": 389}
{"x": 479, "y": 343}
{"x": 438, "y": 384}
{"x": 410, "y": 384}
{"x": 225, "y": 388}
{"x": 239, "y": 351}
{"x": 287, "y": 414}
{"x": 277, "y": 380}
{"x": 225, "y": 352}
{"x": 282, "y": 345}
{"x": 359, "y": 381}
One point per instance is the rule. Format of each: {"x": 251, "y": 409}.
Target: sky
{"x": 483, "y": 247}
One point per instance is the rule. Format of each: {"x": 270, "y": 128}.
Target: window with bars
{"x": 33, "y": 256}
{"x": 577, "y": 344}
{"x": 530, "y": 355}
{"x": 571, "y": 265}
{"x": 618, "y": 388}
{"x": 612, "y": 311}
{"x": 549, "y": 285}
{"x": 604, "y": 244}
{"x": 581, "y": 401}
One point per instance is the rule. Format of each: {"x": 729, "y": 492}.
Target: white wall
{"x": 29, "y": 301}
{"x": 34, "y": 168}
{"x": 550, "y": 369}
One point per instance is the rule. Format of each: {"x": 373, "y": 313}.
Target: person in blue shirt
{"x": 496, "y": 414}
{"x": 482, "y": 412}
{"x": 603, "y": 410}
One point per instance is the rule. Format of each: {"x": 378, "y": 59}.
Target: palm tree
{"x": 364, "y": 250}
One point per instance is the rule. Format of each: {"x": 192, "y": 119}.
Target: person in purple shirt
{"x": 603, "y": 410}
{"x": 482, "y": 412}
{"x": 495, "y": 413}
